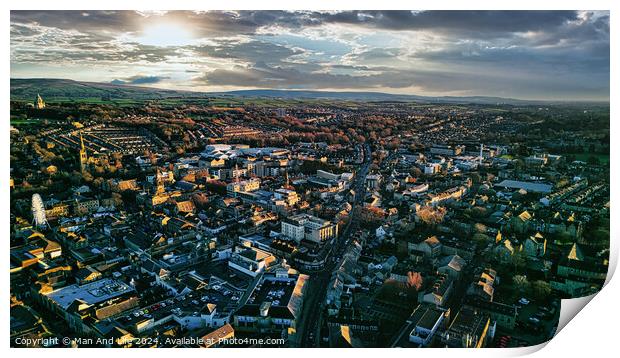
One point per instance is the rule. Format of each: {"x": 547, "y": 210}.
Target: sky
{"x": 551, "y": 55}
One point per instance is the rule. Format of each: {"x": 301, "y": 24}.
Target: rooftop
{"x": 90, "y": 293}
{"x": 526, "y": 185}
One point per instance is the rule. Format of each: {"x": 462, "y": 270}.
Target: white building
{"x": 304, "y": 226}
{"x": 249, "y": 185}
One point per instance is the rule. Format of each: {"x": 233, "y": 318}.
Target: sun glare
{"x": 165, "y": 34}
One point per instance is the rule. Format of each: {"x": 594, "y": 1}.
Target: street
{"x": 312, "y": 313}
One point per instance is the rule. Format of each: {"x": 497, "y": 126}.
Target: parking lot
{"x": 533, "y": 325}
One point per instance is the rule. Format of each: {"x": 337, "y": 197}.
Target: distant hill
{"x": 371, "y": 96}
{"x": 62, "y": 89}
{"x": 51, "y": 88}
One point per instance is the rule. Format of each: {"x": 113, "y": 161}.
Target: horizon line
{"x": 608, "y": 100}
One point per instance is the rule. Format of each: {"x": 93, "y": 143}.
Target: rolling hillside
{"x": 63, "y": 89}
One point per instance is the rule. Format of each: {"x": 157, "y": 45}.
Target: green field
{"x": 25, "y": 122}
{"x": 603, "y": 158}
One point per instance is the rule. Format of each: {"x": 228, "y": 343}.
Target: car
{"x": 545, "y": 315}
{"x": 548, "y": 310}
{"x": 534, "y": 320}
{"x": 524, "y": 301}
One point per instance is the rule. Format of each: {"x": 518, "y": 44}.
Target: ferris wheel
{"x": 38, "y": 211}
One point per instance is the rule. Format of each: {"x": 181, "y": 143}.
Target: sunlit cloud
{"x": 522, "y": 54}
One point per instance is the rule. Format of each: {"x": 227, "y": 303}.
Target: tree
{"x": 592, "y": 160}
{"x": 98, "y": 182}
{"x": 481, "y": 239}
{"x": 540, "y": 289}
{"x": 414, "y": 279}
{"x": 201, "y": 200}
{"x": 430, "y": 215}
{"x": 118, "y": 199}
{"x": 481, "y": 228}
{"x": 475, "y": 177}
{"x": 520, "y": 282}
{"x": 87, "y": 177}
{"x": 415, "y": 172}
{"x": 518, "y": 260}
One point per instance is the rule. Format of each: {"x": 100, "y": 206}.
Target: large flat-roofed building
{"x": 504, "y": 315}
{"x": 426, "y": 320}
{"x": 469, "y": 329}
{"x": 250, "y": 260}
{"x": 290, "y": 197}
{"x": 311, "y": 228}
{"x": 244, "y": 186}
{"x": 447, "y": 149}
{"x": 275, "y": 304}
{"x": 91, "y": 294}
{"x": 525, "y": 185}
{"x": 99, "y": 299}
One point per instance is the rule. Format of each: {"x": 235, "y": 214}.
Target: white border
{"x": 593, "y": 331}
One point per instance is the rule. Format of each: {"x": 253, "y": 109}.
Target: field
{"x": 603, "y": 158}
{"x": 25, "y": 122}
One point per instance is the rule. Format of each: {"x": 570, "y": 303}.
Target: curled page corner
{"x": 572, "y": 306}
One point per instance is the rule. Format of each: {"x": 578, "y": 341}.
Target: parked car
{"x": 524, "y": 301}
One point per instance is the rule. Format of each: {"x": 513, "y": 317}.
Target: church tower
{"x": 83, "y": 155}
{"x": 159, "y": 182}
{"x": 39, "y": 104}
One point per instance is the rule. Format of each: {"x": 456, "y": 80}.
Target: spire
{"x": 159, "y": 182}
{"x": 83, "y": 155}
{"x": 39, "y": 104}
{"x": 575, "y": 253}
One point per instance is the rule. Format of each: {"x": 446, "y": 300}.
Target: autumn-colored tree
{"x": 201, "y": 200}
{"x": 431, "y": 216}
{"x": 87, "y": 177}
{"x": 415, "y": 280}
{"x": 117, "y": 199}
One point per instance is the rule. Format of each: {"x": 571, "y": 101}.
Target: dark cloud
{"x": 84, "y": 21}
{"x": 139, "y": 80}
{"x": 488, "y": 22}
{"x": 513, "y": 53}
{"x": 213, "y": 23}
{"x": 263, "y": 76}
{"x": 253, "y": 51}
